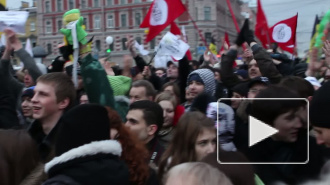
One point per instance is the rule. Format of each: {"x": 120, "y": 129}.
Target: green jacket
{"x": 97, "y": 86}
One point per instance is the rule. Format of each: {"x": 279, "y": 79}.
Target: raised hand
{"x": 12, "y": 40}
{"x": 130, "y": 44}
{"x": 326, "y": 50}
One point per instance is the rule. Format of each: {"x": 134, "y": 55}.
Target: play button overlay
{"x": 263, "y": 134}
{"x": 259, "y": 131}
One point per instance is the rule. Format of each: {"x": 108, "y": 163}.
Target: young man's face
{"x": 172, "y": 71}
{"x": 27, "y": 106}
{"x": 322, "y": 136}
{"x": 235, "y": 103}
{"x": 254, "y": 69}
{"x": 288, "y": 125}
{"x": 195, "y": 88}
{"x": 44, "y": 101}
{"x": 136, "y": 123}
{"x": 159, "y": 73}
{"x": 138, "y": 93}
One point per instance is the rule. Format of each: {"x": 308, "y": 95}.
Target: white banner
{"x": 141, "y": 49}
{"x": 14, "y": 20}
{"x": 172, "y": 46}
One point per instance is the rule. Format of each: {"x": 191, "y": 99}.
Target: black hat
{"x": 259, "y": 79}
{"x": 57, "y": 65}
{"x": 241, "y": 88}
{"x": 82, "y": 125}
{"x": 300, "y": 69}
{"x": 319, "y": 107}
{"x": 28, "y": 92}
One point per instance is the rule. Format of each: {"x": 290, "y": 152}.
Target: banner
{"x": 172, "y": 46}
{"x": 15, "y": 20}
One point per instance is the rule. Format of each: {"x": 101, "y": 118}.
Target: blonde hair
{"x": 198, "y": 172}
{"x": 166, "y": 96}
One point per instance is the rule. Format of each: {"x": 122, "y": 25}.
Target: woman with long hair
{"x": 195, "y": 137}
{"x": 168, "y": 103}
{"x": 134, "y": 152}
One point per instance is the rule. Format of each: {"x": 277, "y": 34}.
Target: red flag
{"x": 284, "y": 33}
{"x": 225, "y": 43}
{"x": 176, "y": 31}
{"x": 161, "y": 13}
{"x": 261, "y": 29}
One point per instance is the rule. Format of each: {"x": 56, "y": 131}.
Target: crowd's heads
{"x": 82, "y": 125}
{"x": 319, "y": 114}
{"x": 253, "y": 69}
{"x": 54, "y": 92}
{"x": 239, "y": 91}
{"x": 286, "y": 115}
{"x": 141, "y": 90}
{"x": 201, "y": 80}
{"x": 300, "y": 69}
{"x": 242, "y": 74}
{"x": 160, "y": 72}
{"x": 145, "y": 119}
{"x": 172, "y": 70}
{"x": 256, "y": 85}
{"x": 57, "y": 65}
{"x": 195, "y": 173}
{"x": 28, "y": 81}
{"x": 172, "y": 88}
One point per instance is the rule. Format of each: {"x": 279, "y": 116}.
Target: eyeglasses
{"x": 255, "y": 90}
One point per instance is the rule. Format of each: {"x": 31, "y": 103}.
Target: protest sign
{"x": 171, "y": 45}
{"x": 14, "y": 20}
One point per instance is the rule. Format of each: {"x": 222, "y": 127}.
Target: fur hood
{"x": 93, "y": 148}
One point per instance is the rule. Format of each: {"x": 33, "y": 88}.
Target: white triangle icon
{"x": 259, "y": 131}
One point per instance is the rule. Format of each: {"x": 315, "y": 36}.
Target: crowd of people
{"x": 143, "y": 125}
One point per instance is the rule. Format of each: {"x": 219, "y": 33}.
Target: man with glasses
{"x": 256, "y": 85}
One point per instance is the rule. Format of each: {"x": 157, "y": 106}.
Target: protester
{"x": 27, "y": 108}
{"x": 145, "y": 120}
{"x": 141, "y": 90}
{"x": 195, "y": 137}
{"x": 168, "y": 104}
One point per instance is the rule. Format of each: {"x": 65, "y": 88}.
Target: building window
{"x": 48, "y": 27}
{"x": 85, "y": 22}
{"x": 59, "y": 24}
{"x": 109, "y": 2}
{"x": 49, "y": 48}
{"x": 122, "y": 1}
{"x": 123, "y": 20}
{"x": 196, "y": 13}
{"x": 137, "y": 19}
{"x": 98, "y": 45}
{"x": 47, "y": 7}
{"x": 96, "y": 3}
{"x": 137, "y": 1}
{"x": 83, "y": 4}
{"x": 97, "y": 22}
{"x": 207, "y": 13}
{"x": 59, "y": 5}
{"x": 32, "y": 26}
{"x": 208, "y": 37}
{"x": 123, "y": 41}
{"x": 138, "y": 39}
{"x": 71, "y": 4}
{"x": 152, "y": 44}
{"x": 110, "y": 21}
{"x": 111, "y": 46}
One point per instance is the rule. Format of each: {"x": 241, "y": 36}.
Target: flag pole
{"x": 234, "y": 19}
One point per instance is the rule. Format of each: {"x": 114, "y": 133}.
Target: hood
{"x": 208, "y": 78}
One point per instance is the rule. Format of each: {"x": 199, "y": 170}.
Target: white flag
{"x": 28, "y": 47}
{"x": 141, "y": 49}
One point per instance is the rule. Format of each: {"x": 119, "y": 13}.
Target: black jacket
{"x": 156, "y": 150}
{"x": 94, "y": 163}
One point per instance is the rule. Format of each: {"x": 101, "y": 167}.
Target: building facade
{"x": 31, "y": 31}
{"x": 121, "y": 18}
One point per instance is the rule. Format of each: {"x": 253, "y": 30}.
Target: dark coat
{"x": 94, "y": 163}
{"x": 156, "y": 150}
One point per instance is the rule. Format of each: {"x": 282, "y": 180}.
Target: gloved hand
{"x": 240, "y": 38}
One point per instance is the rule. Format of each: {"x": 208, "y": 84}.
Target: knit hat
{"x": 208, "y": 80}
{"x": 319, "y": 107}
{"x": 313, "y": 81}
{"x": 300, "y": 69}
{"x": 120, "y": 84}
{"x": 259, "y": 79}
{"x": 82, "y": 125}
{"x": 241, "y": 89}
{"x": 195, "y": 77}
{"x": 28, "y": 92}
{"x": 171, "y": 62}
{"x": 243, "y": 73}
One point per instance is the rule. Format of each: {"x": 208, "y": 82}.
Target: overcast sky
{"x": 276, "y": 10}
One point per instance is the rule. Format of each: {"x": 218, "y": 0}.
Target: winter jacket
{"x": 156, "y": 151}
{"x": 94, "y": 163}
{"x": 98, "y": 87}
{"x": 18, "y": 156}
